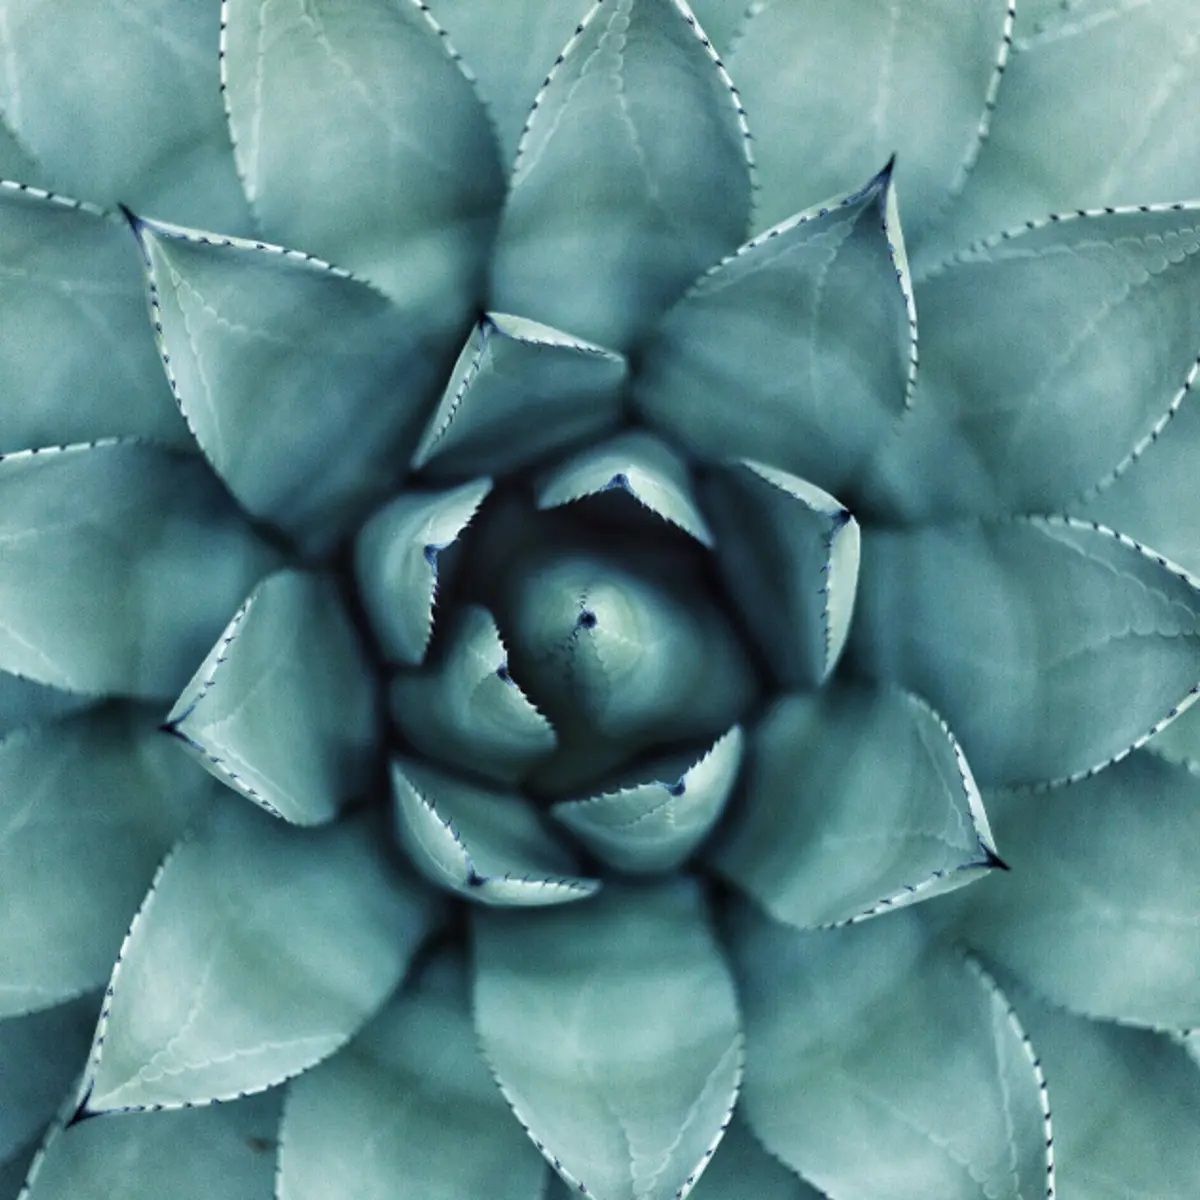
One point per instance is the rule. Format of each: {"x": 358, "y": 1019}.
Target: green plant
{"x": 630, "y": 617}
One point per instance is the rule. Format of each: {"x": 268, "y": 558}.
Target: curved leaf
{"x": 1082, "y": 643}
{"x": 854, "y": 801}
{"x": 260, "y": 950}
{"x": 89, "y": 804}
{"x": 486, "y": 845}
{"x": 408, "y": 1109}
{"x": 655, "y": 826}
{"x": 1101, "y": 912}
{"x": 1050, "y": 358}
{"x": 515, "y": 376}
{"x": 121, "y": 563}
{"x": 465, "y": 709}
{"x": 76, "y": 363}
{"x": 881, "y": 1065}
{"x": 283, "y": 708}
{"x": 789, "y": 555}
{"x": 613, "y": 1031}
{"x": 833, "y": 90}
{"x": 639, "y": 123}
{"x": 359, "y": 138}
{"x": 799, "y": 350}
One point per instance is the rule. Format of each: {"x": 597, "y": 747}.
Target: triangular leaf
{"x": 798, "y": 351}
{"x": 486, "y": 845}
{"x": 882, "y": 1066}
{"x": 613, "y": 1030}
{"x": 260, "y": 950}
{"x": 121, "y": 564}
{"x": 1081, "y": 642}
{"x": 283, "y": 708}
{"x": 408, "y": 1109}
{"x": 89, "y": 804}
{"x": 854, "y": 801}
{"x": 639, "y": 123}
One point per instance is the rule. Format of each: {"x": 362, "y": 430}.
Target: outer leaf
{"x": 224, "y": 1150}
{"x": 789, "y": 554}
{"x": 1082, "y": 642}
{"x": 121, "y": 563}
{"x": 408, "y": 1111}
{"x": 14, "y": 1170}
{"x": 483, "y": 844}
{"x": 854, "y": 801}
{"x": 396, "y": 564}
{"x": 798, "y": 350}
{"x": 515, "y": 375}
{"x": 742, "y": 1168}
{"x": 152, "y": 134}
{"x": 359, "y": 138}
{"x": 639, "y": 123}
{"x": 1049, "y": 357}
{"x": 883, "y": 1066}
{"x": 283, "y": 708}
{"x": 1180, "y": 741}
{"x": 833, "y": 90}
{"x": 76, "y": 363}
{"x": 23, "y": 702}
{"x": 466, "y": 710}
{"x": 655, "y": 826}
{"x": 89, "y": 804}
{"x": 260, "y": 950}
{"x": 613, "y": 1031}
{"x": 1102, "y": 911}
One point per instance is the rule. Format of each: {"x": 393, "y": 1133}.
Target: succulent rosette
{"x": 595, "y": 599}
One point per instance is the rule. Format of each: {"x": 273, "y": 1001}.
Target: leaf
{"x": 1050, "y": 358}
{"x": 788, "y": 553}
{"x": 89, "y": 804}
{"x": 283, "y": 708}
{"x": 854, "y": 801}
{"x": 1180, "y": 740}
{"x": 405, "y": 184}
{"x": 653, "y": 826}
{"x": 121, "y": 563}
{"x": 881, "y": 1065}
{"x": 408, "y": 1109}
{"x": 465, "y": 709}
{"x": 198, "y": 1154}
{"x": 76, "y": 362}
{"x": 260, "y": 950}
{"x": 613, "y": 1030}
{"x": 798, "y": 350}
{"x": 486, "y": 845}
{"x": 742, "y": 1168}
{"x": 397, "y": 564}
{"x": 24, "y": 702}
{"x": 1081, "y": 642}
{"x": 832, "y": 91}
{"x": 517, "y": 375}
{"x": 151, "y": 135}
{"x": 639, "y": 123}
{"x": 634, "y": 462}
{"x": 1101, "y": 912}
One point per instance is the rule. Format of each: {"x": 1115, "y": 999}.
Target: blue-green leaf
{"x": 89, "y": 804}
{"x": 519, "y": 391}
{"x": 359, "y": 138}
{"x": 741, "y": 1168}
{"x": 799, "y": 350}
{"x": 408, "y": 1110}
{"x": 24, "y": 702}
{"x": 1180, "y": 741}
{"x": 613, "y": 1030}
{"x": 260, "y": 950}
{"x": 121, "y": 564}
{"x": 639, "y": 124}
{"x": 1101, "y": 912}
{"x": 881, "y": 1065}
{"x": 1081, "y": 642}
{"x": 854, "y": 801}
{"x": 283, "y": 708}
{"x": 487, "y": 845}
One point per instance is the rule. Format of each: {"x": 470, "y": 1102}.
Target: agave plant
{"x": 576, "y": 611}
